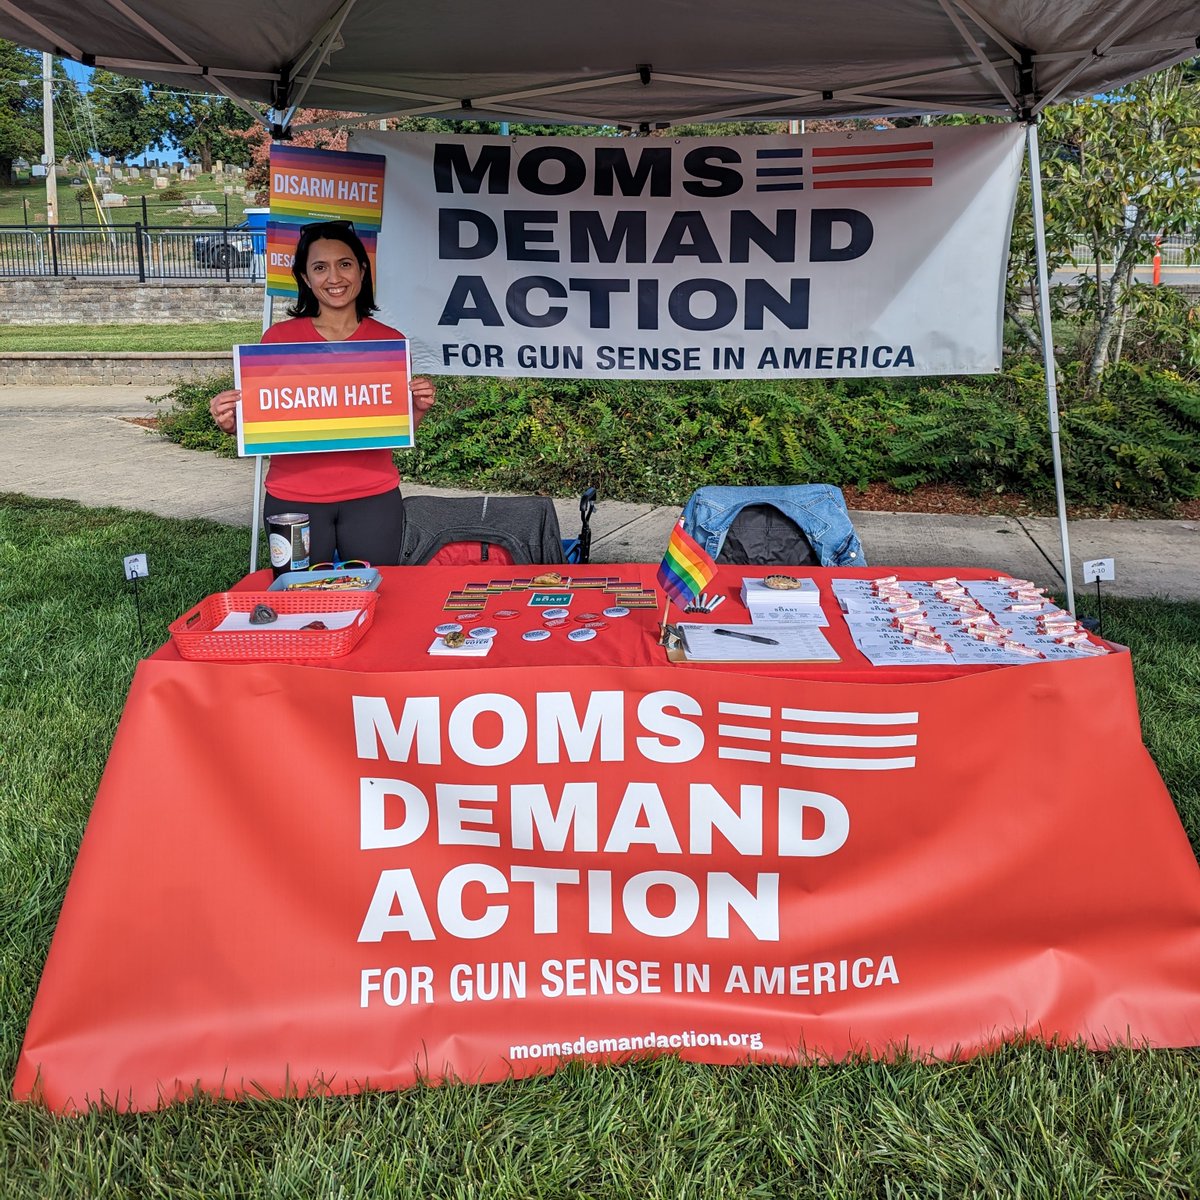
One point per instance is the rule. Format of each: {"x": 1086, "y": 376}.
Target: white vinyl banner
{"x": 835, "y": 254}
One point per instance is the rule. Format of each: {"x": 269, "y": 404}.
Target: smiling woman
{"x": 352, "y": 497}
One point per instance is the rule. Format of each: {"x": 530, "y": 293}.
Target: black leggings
{"x": 370, "y": 528}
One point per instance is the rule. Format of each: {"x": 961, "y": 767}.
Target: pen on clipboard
{"x": 749, "y": 637}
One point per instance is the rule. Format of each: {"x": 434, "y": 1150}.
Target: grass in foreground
{"x": 206, "y": 335}
{"x": 1028, "y": 1121}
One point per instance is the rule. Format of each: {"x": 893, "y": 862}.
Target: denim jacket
{"x": 818, "y": 508}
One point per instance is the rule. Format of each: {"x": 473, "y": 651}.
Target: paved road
{"x": 78, "y": 444}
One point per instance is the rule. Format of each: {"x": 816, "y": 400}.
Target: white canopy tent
{"x": 634, "y": 63}
{"x": 623, "y": 62}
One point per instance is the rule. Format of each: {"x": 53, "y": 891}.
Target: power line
{"x": 74, "y": 86}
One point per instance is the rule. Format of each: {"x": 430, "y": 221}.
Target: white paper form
{"x": 815, "y": 618}
{"x": 773, "y": 643}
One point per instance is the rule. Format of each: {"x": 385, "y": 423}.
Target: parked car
{"x": 221, "y": 248}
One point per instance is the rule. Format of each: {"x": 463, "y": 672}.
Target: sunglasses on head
{"x": 322, "y": 229}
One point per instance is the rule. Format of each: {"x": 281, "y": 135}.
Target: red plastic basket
{"x": 196, "y": 636}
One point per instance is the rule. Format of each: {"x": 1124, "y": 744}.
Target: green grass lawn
{"x": 27, "y": 198}
{"x": 210, "y": 335}
{"x": 1027, "y": 1121}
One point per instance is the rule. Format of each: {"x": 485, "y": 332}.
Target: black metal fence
{"x": 134, "y": 251}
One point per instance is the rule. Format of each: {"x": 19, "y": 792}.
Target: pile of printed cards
{"x": 1001, "y": 621}
{"x": 453, "y": 639}
{"x": 474, "y": 596}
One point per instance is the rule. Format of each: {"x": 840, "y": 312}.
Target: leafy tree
{"x": 256, "y": 144}
{"x": 20, "y": 106}
{"x": 204, "y": 127}
{"x": 1118, "y": 171}
{"x": 124, "y": 119}
{"x": 721, "y": 129}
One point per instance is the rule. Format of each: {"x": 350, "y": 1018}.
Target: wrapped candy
{"x": 989, "y": 637}
{"x": 928, "y": 641}
{"x": 1022, "y": 649}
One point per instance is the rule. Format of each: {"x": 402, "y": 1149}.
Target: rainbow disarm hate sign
{"x": 319, "y": 185}
{"x": 315, "y": 397}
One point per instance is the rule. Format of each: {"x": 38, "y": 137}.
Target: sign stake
{"x": 137, "y": 568}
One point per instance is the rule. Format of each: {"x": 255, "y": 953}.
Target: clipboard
{"x": 750, "y": 644}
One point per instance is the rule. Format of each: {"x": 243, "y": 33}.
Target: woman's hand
{"x": 424, "y": 396}
{"x": 223, "y": 407}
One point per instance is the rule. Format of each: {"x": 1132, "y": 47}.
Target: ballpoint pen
{"x": 749, "y": 637}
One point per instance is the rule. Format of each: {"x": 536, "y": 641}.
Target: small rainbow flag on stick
{"x": 685, "y": 569}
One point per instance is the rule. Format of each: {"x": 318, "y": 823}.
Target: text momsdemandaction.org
{"x": 631, "y": 1045}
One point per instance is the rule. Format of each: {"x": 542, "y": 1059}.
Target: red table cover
{"x": 392, "y": 866}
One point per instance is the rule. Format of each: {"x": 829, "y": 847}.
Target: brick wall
{"x": 74, "y": 369}
{"x": 53, "y": 301}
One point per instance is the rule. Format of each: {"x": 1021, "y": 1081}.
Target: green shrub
{"x": 1135, "y": 442}
{"x": 185, "y": 418}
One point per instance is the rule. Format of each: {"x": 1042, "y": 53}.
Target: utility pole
{"x": 48, "y": 138}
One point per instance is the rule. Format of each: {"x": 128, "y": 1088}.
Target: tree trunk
{"x": 1024, "y": 328}
{"x": 206, "y": 157}
{"x": 1116, "y": 354}
{"x": 1108, "y": 311}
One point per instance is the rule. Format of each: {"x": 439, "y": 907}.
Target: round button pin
{"x": 596, "y": 625}
{"x": 448, "y": 627}
{"x": 581, "y": 635}
{"x": 618, "y": 610}
{"x": 582, "y": 617}
{"x": 535, "y": 635}
{"x": 556, "y": 612}
{"x": 507, "y": 614}
{"x": 555, "y": 622}
{"x": 486, "y": 632}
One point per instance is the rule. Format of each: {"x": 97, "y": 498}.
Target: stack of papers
{"x": 773, "y": 606}
{"x": 471, "y": 648}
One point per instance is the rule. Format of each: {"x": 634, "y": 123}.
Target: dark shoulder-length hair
{"x": 307, "y": 304}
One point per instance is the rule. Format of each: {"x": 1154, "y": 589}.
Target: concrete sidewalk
{"x": 77, "y": 444}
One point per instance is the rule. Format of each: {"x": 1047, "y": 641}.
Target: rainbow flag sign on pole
{"x": 306, "y": 397}
{"x": 319, "y": 185}
{"x": 686, "y": 569}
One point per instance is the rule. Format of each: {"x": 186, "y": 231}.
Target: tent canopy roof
{"x": 622, "y": 62}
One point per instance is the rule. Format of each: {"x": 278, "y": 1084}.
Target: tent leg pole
{"x": 255, "y": 512}
{"x": 1039, "y": 233}
{"x": 256, "y": 503}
